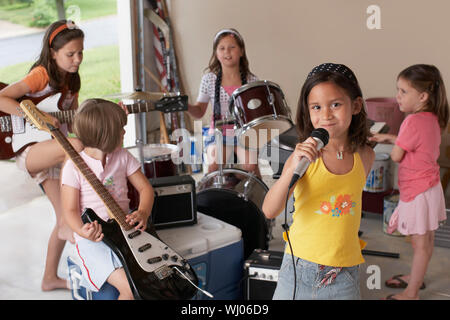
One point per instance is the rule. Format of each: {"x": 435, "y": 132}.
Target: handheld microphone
{"x": 321, "y": 136}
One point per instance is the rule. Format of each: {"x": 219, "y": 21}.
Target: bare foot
{"x": 56, "y": 283}
{"x": 65, "y": 233}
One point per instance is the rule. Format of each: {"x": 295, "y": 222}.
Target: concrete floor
{"x": 26, "y": 220}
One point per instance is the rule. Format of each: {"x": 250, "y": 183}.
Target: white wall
{"x": 286, "y": 39}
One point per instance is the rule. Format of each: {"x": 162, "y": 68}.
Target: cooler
{"x": 212, "y": 247}
{"x": 216, "y": 252}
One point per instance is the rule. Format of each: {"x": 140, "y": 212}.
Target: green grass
{"x": 89, "y": 9}
{"x": 17, "y": 14}
{"x": 99, "y": 72}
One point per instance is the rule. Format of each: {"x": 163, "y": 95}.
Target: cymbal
{"x": 137, "y": 95}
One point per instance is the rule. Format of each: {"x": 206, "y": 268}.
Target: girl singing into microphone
{"x": 324, "y": 251}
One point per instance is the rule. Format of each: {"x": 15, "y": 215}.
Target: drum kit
{"x": 260, "y": 113}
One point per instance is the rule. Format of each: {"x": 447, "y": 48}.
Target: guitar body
{"x": 148, "y": 281}
{"x": 6, "y": 151}
{"x": 13, "y": 143}
{"x": 31, "y": 134}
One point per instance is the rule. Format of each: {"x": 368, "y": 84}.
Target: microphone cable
{"x": 286, "y": 230}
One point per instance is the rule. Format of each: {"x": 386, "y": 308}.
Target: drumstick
{"x": 162, "y": 122}
{"x": 163, "y": 129}
{"x": 161, "y": 87}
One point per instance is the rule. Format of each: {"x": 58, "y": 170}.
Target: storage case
{"x": 212, "y": 247}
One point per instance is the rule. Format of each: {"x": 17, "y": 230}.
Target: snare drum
{"x": 259, "y": 105}
{"x": 157, "y": 163}
{"x": 236, "y": 197}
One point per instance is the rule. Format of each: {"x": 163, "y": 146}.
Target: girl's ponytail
{"x": 427, "y": 78}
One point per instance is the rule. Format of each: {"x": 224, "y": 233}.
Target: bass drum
{"x": 236, "y": 197}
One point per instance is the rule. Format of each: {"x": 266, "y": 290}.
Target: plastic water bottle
{"x": 196, "y": 159}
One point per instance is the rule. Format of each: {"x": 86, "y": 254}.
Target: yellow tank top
{"x": 327, "y": 215}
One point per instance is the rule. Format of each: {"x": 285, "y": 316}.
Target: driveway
{"x": 20, "y": 44}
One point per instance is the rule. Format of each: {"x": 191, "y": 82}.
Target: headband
{"x": 61, "y": 28}
{"x": 227, "y": 31}
{"x": 335, "y": 68}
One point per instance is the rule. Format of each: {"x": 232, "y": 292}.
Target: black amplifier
{"x": 261, "y": 270}
{"x": 175, "y": 201}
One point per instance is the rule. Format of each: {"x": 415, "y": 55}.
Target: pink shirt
{"x": 119, "y": 165}
{"x": 420, "y": 137}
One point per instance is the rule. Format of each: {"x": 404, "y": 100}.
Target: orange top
{"x": 37, "y": 80}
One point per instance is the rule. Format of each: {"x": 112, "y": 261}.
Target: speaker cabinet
{"x": 175, "y": 202}
{"x": 261, "y": 269}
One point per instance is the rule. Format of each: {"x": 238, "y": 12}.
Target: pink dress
{"x": 422, "y": 205}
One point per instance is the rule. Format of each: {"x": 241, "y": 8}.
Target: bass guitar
{"x": 13, "y": 141}
{"x": 154, "y": 271}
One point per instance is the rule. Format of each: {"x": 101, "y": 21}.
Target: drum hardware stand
{"x": 140, "y": 145}
{"x": 247, "y": 188}
{"x": 381, "y": 254}
{"x": 219, "y": 180}
{"x": 378, "y": 253}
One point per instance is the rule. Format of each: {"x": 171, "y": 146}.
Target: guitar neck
{"x": 142, "y": 106}
{"x": 114, "y": 209}
{"x": 66, "y": 116}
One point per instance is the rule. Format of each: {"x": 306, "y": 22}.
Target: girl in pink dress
{"x": 421, "y": 93}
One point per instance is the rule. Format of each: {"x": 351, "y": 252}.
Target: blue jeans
{"x": 309, "y": 277}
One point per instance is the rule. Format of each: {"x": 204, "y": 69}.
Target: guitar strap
{"x": 61, "y": 102}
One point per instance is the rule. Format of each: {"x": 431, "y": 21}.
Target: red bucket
{"x": 385, "y": 110}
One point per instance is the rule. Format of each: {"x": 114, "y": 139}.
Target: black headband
{"x": 335, "y": 68}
